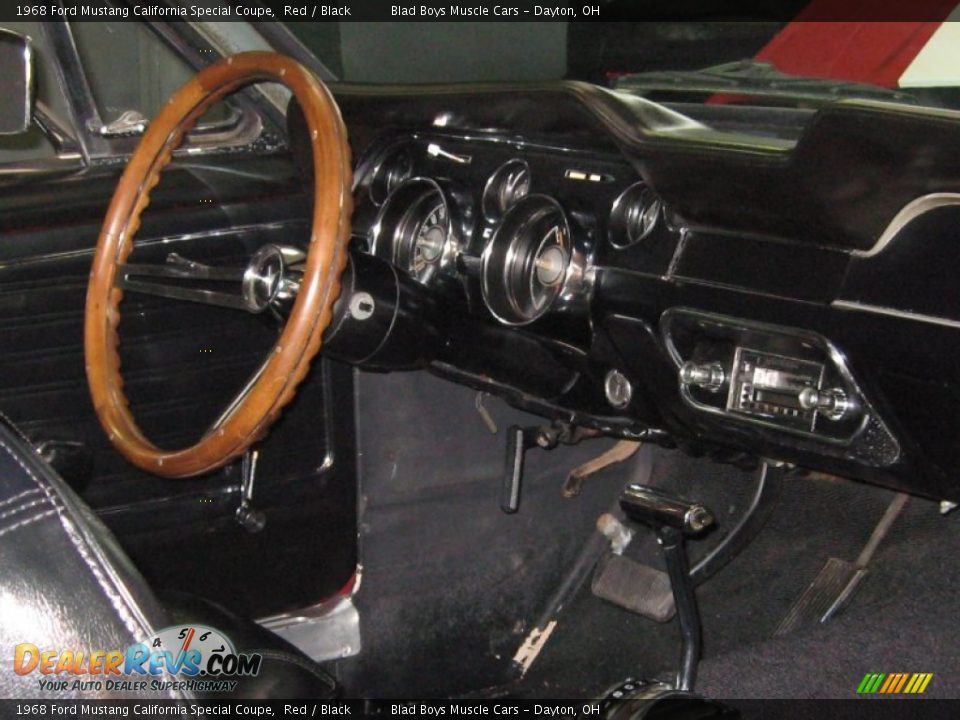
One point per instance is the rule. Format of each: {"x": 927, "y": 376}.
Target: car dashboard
{"x": 612, "y": 264}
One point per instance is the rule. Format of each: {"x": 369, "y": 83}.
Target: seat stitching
{"x": 21, "y": 508}
{"x": 18, "y": 496}
{"x": 26, "y": 521}
{"x": 116, "y": 600}
{"x": 128, "y": 621}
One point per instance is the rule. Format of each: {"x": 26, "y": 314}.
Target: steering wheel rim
{"x": 288, "y": 363}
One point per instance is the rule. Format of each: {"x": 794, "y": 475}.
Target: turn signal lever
{"x": 673, "y": 518}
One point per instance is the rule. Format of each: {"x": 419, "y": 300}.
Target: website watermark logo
{"x": 184, "y": 657}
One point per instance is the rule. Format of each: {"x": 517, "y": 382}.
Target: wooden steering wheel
{"x": 260, "y": 403}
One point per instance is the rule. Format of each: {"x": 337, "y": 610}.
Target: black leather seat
{"x": 65, "y": 584}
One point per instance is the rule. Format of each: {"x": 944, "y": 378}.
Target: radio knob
{"x": 832, "y": 403}
{"x": 709, "y": 376}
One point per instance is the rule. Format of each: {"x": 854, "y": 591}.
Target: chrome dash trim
{"x": 909, "y": 212}
{"x": 894, "y": 312}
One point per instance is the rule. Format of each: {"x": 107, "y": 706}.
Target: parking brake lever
{"x": 521, "y": 439}
{"x": 672, "y": 519}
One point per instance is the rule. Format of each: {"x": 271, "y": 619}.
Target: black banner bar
{"x": 875, "y": 709}
{"x": 475, "y": 10}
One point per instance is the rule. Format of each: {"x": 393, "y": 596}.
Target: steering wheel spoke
{"x": 178, "y": 268}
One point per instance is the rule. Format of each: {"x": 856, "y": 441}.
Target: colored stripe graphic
{"x": 894, "y": 683}
{"x": 918, "y": 683}
{"x": 900, "y": 684}
{"x": 871, "y": 683}
{"x": 891, "y": 682}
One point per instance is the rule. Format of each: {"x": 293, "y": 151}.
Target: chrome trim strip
{"x": 677, "y": 254}
{"x": 150, "y": 242}
{"x": 910, "y": 211}
{"x": 28, "y": 59}
{"x": 690, "y": 280}
{"x": 894, "y": 312}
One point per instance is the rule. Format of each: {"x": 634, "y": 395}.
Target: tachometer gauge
{"x": 414, "y": 230}
{"x": 527, "y": 263}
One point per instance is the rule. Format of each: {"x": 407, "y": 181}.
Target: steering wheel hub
{"x": 272, "y": 277}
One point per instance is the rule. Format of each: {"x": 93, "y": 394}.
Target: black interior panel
{"x": 182, "y": 364}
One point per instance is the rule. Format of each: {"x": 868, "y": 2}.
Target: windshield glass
{"x": 758, "y": 63}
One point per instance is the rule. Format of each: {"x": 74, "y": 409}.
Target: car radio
{"x": 770, "y": 386}
{"x": 777, "y": 379}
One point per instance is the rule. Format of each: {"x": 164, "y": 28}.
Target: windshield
{"x": 912, "y": 62}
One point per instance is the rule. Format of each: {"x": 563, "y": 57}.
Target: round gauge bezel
{"x": 637, "y": 198}
{"x": 492, "y": 201}
{"x": 395, "y": 167}
{"x": 510, "y": 285}
{"x": 395, "y": 230}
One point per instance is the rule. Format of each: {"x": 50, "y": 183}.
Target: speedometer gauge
{"x": 527, "y": 261}
{"x": 415, "y": 231}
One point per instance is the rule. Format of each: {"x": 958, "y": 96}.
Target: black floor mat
{"x": 450, "y": 585}
{"x": 903, "y": 619}
{"x": 597, "y": 644}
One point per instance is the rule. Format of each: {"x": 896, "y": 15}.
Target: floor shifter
{"x": 673, "y": 519}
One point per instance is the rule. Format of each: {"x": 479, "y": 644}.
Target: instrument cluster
{"x": 518, "y": 226}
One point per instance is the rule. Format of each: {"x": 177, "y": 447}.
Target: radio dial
{"x": 832, "y": 403}
{"x": 708, "y": 376}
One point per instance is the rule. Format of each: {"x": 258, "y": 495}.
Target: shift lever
{"x": 672, "y": 519}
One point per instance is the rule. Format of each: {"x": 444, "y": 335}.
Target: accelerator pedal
{"x": 838, "y": 580}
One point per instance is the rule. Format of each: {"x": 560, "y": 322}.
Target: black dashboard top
{"x": 855, "y": 166}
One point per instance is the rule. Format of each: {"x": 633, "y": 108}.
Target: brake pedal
{"x": 635, "y": 587}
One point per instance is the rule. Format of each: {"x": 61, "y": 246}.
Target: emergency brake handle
{"x": 519, "y": 440}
